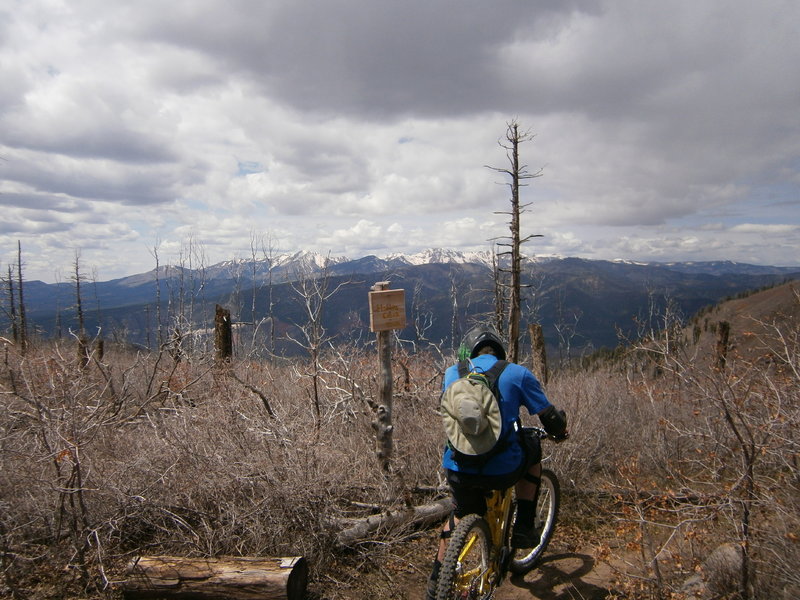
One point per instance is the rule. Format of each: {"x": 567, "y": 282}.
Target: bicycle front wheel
{"x": 545, "y": 520}
{"x": 465, "y": 569}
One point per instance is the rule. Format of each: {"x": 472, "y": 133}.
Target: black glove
{"x": 554, "y": 422}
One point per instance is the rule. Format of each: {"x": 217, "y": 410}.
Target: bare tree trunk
{"x": 12, "y": 311}
{"x": 223, "y": 335}
{"x": 518, "y": 173}
{"x": 23, "y": 323}
{"x": 515, "y": 303}
{"x": 723, "y": 334}
{"x": 159, "y": 333}
{"x": 499, "y": 292}
{"x": 83, "y": 343}
{"x": 271, "y": 249}
{"x": 359, "y": 530}
{"x": 538, "y": 352}
{"x": 455, "y": 333}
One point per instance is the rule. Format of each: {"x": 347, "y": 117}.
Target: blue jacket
{"x": 518, "y": 387}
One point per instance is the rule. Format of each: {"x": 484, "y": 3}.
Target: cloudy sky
{"x": 664, "y": 130}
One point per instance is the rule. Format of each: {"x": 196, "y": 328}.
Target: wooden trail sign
{"x": 387, "y": 309}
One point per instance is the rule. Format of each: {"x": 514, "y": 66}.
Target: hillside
{"x": 582, "y": 305}
{"x": 754, "y": 318}
{"x": 154, "y": 453}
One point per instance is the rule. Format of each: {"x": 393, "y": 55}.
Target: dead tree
{"x": 499, "y": 289}
{"x": 83, "y": 342}
{"x": 723, "y": 334}
{"x": 538, "y": 352}
{"x": 12, "y": 311}
{"x": 223, "y": 334}
{"x": 314, "y": 292}
{"x": 518, "y": 173}
{"x": 159, "y": 332}
{"x": 23, "y": 324}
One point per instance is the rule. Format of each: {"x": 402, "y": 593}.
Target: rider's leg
{"x": 525, "y": 534}
{"x": 527, "y": 487}
{"x": 444, "y": 537}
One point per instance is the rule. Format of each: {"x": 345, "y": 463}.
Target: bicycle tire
{"x": 547, "y": 504}
{"x": 466, "y": 560}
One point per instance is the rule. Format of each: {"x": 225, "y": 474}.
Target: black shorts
{"x": 471, "y": 490}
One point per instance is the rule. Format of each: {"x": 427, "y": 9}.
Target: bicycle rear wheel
{"x": 464, "y": 572}
{"x": 546, "y": 514}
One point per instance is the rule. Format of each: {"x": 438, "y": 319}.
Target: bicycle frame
{"x": 498, "y": 517}
{"x": 479, "y": 554}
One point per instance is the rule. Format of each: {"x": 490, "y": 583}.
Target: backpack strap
{"x": 493, "y": 374}
{"x": 463, "y": 368}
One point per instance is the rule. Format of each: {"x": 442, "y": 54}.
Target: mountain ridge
{"x": 314, "y": 262}
{"x": 591, "y": 300}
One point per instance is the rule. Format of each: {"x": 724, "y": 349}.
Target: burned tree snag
{"x": 223, "y": 334}
{"x": 518, "y": 173}
{"x": 723, "y": 333}
{"x": 23, "y": 322}
{"x": 539, "y": 354}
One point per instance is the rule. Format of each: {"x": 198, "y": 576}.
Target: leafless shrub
{"x": 715, "y": 464}
{"x": 141, "y": 454}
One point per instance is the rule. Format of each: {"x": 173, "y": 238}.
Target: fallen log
{"x": 418, "y": 516}
{"x": 226, "y": 578}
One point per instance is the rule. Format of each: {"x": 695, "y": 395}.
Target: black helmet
{"x": 478, "y": 338}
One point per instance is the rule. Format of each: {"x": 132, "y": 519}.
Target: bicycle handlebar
{"x": 542, "y": 434}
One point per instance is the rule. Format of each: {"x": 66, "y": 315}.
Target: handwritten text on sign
{"x": 387, "y": 310}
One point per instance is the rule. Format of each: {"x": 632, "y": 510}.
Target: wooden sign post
{"x": 387, "y": 311}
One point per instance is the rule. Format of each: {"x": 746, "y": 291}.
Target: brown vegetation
{"x": 669, "y": 458}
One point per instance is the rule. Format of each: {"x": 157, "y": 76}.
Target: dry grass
{"x": 143, "y": 455}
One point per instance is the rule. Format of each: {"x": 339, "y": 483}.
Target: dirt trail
{"x": 562, "y": 575}
{"x": 570, "y": 570}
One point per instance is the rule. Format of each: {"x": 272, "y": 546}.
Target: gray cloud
{"x": 664, "y": 129}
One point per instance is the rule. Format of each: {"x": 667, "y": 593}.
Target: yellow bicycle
{"x": 479, "y": 554}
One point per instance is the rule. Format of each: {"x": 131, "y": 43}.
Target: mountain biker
{"x": 514, "y": 462}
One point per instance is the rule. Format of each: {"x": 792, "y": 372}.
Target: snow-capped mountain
{"x": 288, "y": 264}
{"x": 442, "y": 255}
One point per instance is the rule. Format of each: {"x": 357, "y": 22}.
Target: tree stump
{"x": 538, "y": 352}
{"x": 225, "y": 578}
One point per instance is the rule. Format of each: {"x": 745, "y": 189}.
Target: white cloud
{"x": 761, "y": 229}
{"x": 664, "y": 130}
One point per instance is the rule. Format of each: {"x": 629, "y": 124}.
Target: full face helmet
{"x": 478, "y": 338}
